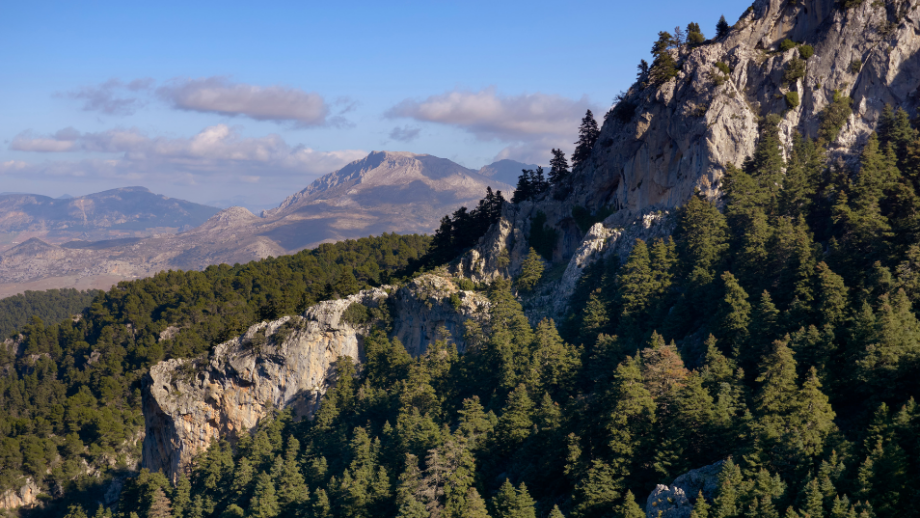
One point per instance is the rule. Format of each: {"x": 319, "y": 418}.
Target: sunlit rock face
{"x": 285, "y": 363}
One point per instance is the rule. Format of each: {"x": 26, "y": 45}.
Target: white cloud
{"x": 217, "y": 150}
{"x": 489, "y": 115}
{"x": 531, "y": 123}
{"x": 273, "y": 103}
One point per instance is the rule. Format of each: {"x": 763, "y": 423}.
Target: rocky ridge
{"x": 664, "y": 143}
{"x": 285, "y": 363}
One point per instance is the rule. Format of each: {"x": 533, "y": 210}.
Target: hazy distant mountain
{"x": 113, "y": 214}
{"x": 506, "y": 171}
{"x": 383, "y": 192}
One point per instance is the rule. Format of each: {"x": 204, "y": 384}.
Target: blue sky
{"x": 245, "y": 102}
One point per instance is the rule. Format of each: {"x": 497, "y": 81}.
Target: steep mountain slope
{"x": 662, "y": 143}
{"x": 117, "y": 213}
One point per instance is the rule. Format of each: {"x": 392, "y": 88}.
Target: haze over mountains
{"x": 94, "y": 241}
{"x": 113, "y": 214}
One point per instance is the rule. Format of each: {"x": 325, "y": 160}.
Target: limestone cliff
{"x": 26, "y": 496}
{"x": 664, "y": 142}
{"x": 286, "y": 363}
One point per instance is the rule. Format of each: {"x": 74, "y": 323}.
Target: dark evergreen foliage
{"x": 48, "y": 306}
{"x": 588, "y": 133}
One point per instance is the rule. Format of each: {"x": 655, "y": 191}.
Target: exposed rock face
{"x": 677, "y": 500}
{"x": 665, "y": 142}
{"x": 26, "y": 496}
{"x": 286, "y": 363}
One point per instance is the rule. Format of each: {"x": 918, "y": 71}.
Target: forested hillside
{"x": 49, "y": 306}
{"x": 70, "y": 402}
{"x": 772, "y": 338}
{"x": 797, "y": 364}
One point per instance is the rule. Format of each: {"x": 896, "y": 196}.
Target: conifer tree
{"x": 594, "y": 318}
{"x": 531, "y": 271}
{"x": 664, "y": 67}
{"x": 555, "y": 363}
{"x": 513, "y": 503}
{"x": 700, "y": 507}
{"x": 559, "y": 168}
{"x": 475, "y": 505}
{"x": 160, "y": 506}
{"x": 556, "y": 513}
{"x": 722, "y": 28}
{"x": 515, "y": 423}
{"x": 597, "y": 490}
{"x": 734, "y": 314}
{"x": 182, "y": 496}
{"x": 264, "y": 503}
{"x": 629, "y": 508}
{"x": 636, "y": 285}
{"x": 587, "y": 137}
{"x": 726, "y": 503}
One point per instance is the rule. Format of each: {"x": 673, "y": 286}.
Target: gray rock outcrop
{"x": 664, "y": 142}
{"x": 285, "y": 363}
{"x": 678, "y": 499}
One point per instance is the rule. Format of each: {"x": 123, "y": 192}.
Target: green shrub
{"x": 849, "y": 4}
{"x": 787, "y": 45}
{"x": 795, "y": 70}
{"x": 834, "y": 116}
{"x": 806, "y": 51}
{"x": 792, "y": 100}
{"x": 855, "y": 66}
{"x": 356, "y": 314}
{"x": 724, "y": 68}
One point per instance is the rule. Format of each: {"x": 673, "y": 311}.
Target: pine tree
{"x": 587, "y": 137}
{"x": 597, "y": 490}
{"x": 264, "y": 503}
{"x": 531, "y": 271}
{"x": 292, "y": 488}
{"x": 475, "y": 505}
{"x": 726, "y": 504}
{"x": 700, "y": 507}
{"x": 555, "y": 363}
{"x": 160, "y": 506}
{"x": 734, "y": 314}
{"x": 321, "y": 506}
{"x": 513, "y": 503}
{"x": 559, "y": 168}
{"x": 515, "y": 423}
{"x": 815, "y": 416}
{"x": 814, "y": 500}
{"x": 594, "y": 318}
{"x": 182, "y": 496}
{"x": 556, "y": 513}
{"x": 636, "y": 286}
{"x": 722, "y": 28}
{"x": 664, "y": 67}
{"x": 629, "y": 508}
